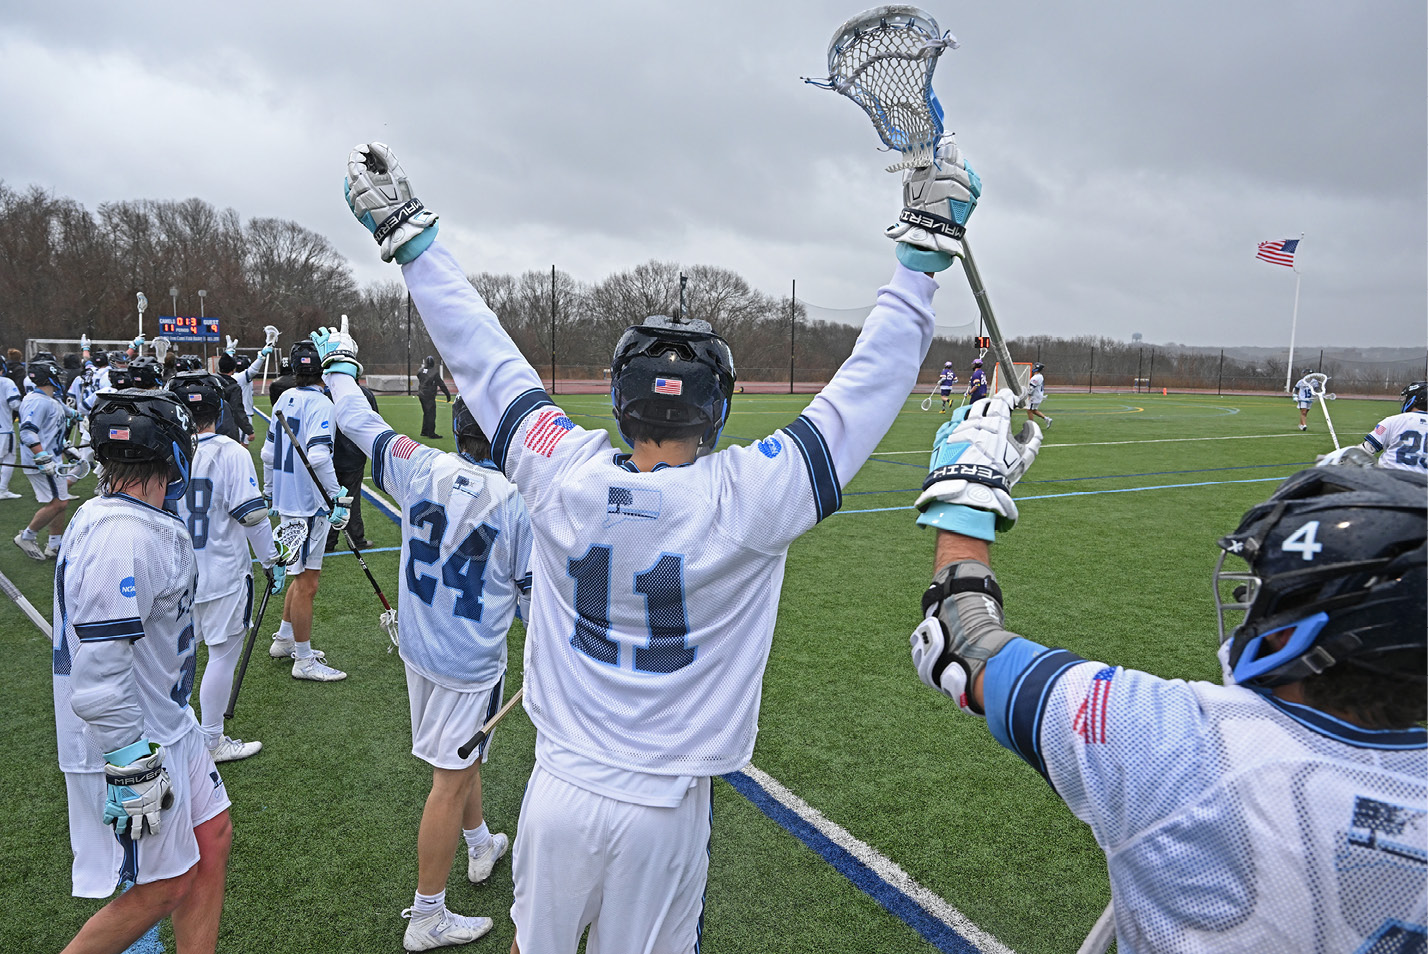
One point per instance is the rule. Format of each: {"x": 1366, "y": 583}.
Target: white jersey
{"x": 124, "y": 651}
{"x": 466, "y": 548}
{"x": 245, "y": 381}
{"x": 222, "y": 490}
{"x": 654, "y": 594}
{"x": 42, "y": 421}
{"x": 9, "y": 404}
{"x": 1036, "y": 389}
{"x": 1403, "y": 441}
{"x": 1304, "y": 391}
{"x": 1232, "y": 821}
{"x": 309, "y": 414}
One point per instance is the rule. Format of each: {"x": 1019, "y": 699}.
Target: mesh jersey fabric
{"x": 222, "y": 490}
{"x": 309, "y": 413}
{"x": 42, "y": 421}
{"x": 1036, "y": 389}
{"x": 125, "y": 578}
{"x": 9, "y": 405}
{"x": 1231, "y": 821}
{"x": 1403, "y": 439}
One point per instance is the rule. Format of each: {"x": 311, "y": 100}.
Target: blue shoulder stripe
{"x": 130, "y": 628}
{"x": 1374, "y": 441}
{"x": 247, "y": 507}
{"x": 379, "y": 459}
{"x": 1347, "y": 733}
{"x": 515, "y": 412}
{"x": 827, "y": 495}
{"x": 320, "y": 439}
{"x": 1026, "y": 703}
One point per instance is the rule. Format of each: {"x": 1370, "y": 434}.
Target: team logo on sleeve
{"x": 770, "y": 446}
{"x": 632, "y": 503}
{"x": 550, "y": 426}
{"x": 1090, "y": 721}
{"x": 128, "y": 588}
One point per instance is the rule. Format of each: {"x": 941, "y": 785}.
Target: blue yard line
{"x": 1162, "y": 473}
{"x": 894, "y": 901}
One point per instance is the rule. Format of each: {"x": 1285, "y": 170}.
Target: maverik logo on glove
{"x": 394, "y": 221}
{"x": 931, "y": 222}
{"x": 978, "y": 473}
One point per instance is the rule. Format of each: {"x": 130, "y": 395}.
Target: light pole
{"x": 202, "y": 294}
{"x": 143, "y": 303}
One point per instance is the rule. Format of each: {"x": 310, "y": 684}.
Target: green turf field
{"x": 1112, "y": 558}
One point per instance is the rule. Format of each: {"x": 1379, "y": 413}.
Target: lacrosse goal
{"x": 1023, "y": 377}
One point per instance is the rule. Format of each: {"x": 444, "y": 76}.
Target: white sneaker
{"x": 315, "y": 669}
{"x": 51, "y": 551}
{"x": 287, "y": 649}
{"x": 441, "y": 929}
{"x": 31, "y": 547}
{"x": 231, "y": 750}
{"x": 1048, "y": 422}
{"x": 8, "y": 494}
{"x": 479, "y": 866}
{"x": 1304, "y": 427}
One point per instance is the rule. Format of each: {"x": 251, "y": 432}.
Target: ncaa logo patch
{"x": 128, "y": 588}
{"x": 770, "y": 446}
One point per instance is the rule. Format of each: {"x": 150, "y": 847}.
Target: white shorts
{"x": 634, "y": 871}
{"x": 1303, "y": 405}
{"x": 102, "y": 860}
{"x": 1033, "y": 405}
{"x": 310, "y": 553}
{"x": 48, "y": 488}
{"x": 443, "y": 720}
{"x": 216, "y": 620}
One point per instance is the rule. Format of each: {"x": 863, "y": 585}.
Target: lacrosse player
{"x": 9, "y": 412}
{"x": 1282, "y": 811}
{"x": 235, "y": 423}
{"x": 124, "y": 657}
{"x": 977, "y": 383}
{"x": 944, "y": 385}
{"x": 466, "y": 542}
{"x": 295, "y": 499}
{"x": 657, "y": 572}
{"x": 1036, "y": 393}
{"x": 1401, "y": 440}
{"x": 44, "y": 420}
{"x": 226, "y": 515}
{"x": 1304, "y": 392}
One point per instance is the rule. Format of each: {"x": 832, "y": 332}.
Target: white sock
{"x": 429, "y": 903}
{"x": 217, "y": 685}
{"x": 304, "y": 649}
{"x": 285, "y": 631}
{"x": 56, "y": 539}
{"x": 477, "y": 838}
{"x": 28, "y": 534}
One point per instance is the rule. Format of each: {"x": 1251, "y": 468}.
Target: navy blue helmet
{"x": 673, "y": 373}
{"x": 134, "y": 425}
{"x": 1415, "y": 397}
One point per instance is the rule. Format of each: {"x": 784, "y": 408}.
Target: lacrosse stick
{"x": 248, "y": 645}
{"x": 1103, "y": 932}
{"x": 927, "y": 401}
{"x": 13, "y": 591}
{"x": 161, "y": 349}
{"x": 270, "y": 339}
{"x": 143, "y": 302}
{"x": 475, "y": 741}
{"x": 389, "y": 615}
{"x": 883, "y": 60}
{"x": 1320, "y": 383}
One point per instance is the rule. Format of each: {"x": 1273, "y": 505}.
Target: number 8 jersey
{"x": 222, "y": 490}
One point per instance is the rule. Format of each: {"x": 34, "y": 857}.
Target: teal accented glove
{"x": 278, "y": 573}
{"x": 138, "y": 343}
{"x": 937, "y": 201}
{"x": 45, "y": 461}
{"x": 380, "y": 196}
{"x": 138, "y": 789}
{"x": 340, "y": 511}
{"x": 338, "y": 350}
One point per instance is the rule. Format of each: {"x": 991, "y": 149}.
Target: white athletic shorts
{"x": 1304, "y": 405}
{"x": 443, "y": 720}
{"x": 102, "y": 860}
{"x": 216, "y": 620}
{"x": 635, "y": 874}
{"x": 48, "y": 488}
{"x": 311, "y": 553}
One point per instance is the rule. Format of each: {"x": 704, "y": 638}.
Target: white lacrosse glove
{"x": 379, "y": 194}
{"x": 138, "y": 789}
{"x": 1355, "y": 456}
{"x": 278, "y": 572}
{"x": 45, "y": 461}
{"x": 975, "y": 463}
{"x": 338, "y": 350}
{"x": 138, "y": 343}
{"x": 937, "y": 201}
{"x": 84, "y": 342}
{"x": 232, "y": 345}
{"x": 341, "y": 510}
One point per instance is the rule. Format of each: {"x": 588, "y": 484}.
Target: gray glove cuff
{"x": 965, "y": 597}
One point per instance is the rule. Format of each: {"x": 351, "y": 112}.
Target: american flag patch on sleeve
{"x": 668, "y": 386}
{"x": 404, "y": 448}
{"x": 1090, "y": 721}
{"x": 550, "y": 426}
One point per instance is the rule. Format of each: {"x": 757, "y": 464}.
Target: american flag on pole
{"x": 1278, "y": 253}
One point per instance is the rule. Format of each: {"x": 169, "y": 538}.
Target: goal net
{"x": 1023, "y": 376}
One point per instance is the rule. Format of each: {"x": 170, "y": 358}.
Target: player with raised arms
{"x": 656, "y": 573}
{"x": 124, "y": 655}
{"x": 1281, "y": 811}
{"x": 466, "y": 546}
{"x": 226, "y": 516}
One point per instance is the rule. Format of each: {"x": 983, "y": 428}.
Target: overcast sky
{"x": 1133, "y": 154}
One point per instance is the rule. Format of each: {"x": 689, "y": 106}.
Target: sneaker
{"x": 1304, "y": 427}
{"x": 479, "y": 866}
{"x": 51, "y": 551}
{"x": 31, "y": 547}
{"x": 8, "y": 494}
{"x": 287, "y": 649}
{"x": 1048, "y": 422}
{"x": 315, "y": 669}
{"x": 441, "y": 929}
{"x": 231, "y": 750}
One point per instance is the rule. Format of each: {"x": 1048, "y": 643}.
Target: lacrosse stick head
{"x": 161, "y": 349}
{"x": 270, "y": 335}
{"x": 143, "y": 302}
{"x": 882, "y": 59}
{"x": 76, "y": 469}
{"x": 389, "y": 623}
{"x": 288, "y": 537}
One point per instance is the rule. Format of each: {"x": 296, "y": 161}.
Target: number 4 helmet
{"x": 1337, "y": 562}
{"x": 1415, "y": 397}
{"x": 672, "y": 373}
{"x": 136, "y": 426}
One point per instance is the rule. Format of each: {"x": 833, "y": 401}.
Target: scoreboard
{"x": 188, "y": 329}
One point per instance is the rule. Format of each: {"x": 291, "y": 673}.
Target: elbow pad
{"x": 254, "y": 517}
{"x": 965, "y": 598}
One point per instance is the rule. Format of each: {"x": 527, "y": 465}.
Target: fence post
{"x": 1091, "y": 377}
{"x": 552, "y": 329}
{"x": 1138, "y": 362}
{"x": 1150, "y": 375}
{"x": 792, "y": 326}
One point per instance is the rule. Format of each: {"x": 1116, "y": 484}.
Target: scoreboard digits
{"x": 188, "y": 328}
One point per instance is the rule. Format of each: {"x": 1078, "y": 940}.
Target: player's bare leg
{"x": 49, "y": 515}
{"x": 1304, "y": 419}
{"x": 195, "y": 919}
{"x": 128, "y": 917}
{"x": 447, "y": 811}
{"x": 297, "y": 608}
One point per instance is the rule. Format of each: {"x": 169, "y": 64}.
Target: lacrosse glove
{"x": 45, "y": 461}
{"x": 937, "y": 200}
{"x": 340, "y": 511}
{"x": 975, "y": 463}
{"x": 338, "y": 350}
{"x": 380, "y": 196}
{"x": 138, "y": 788}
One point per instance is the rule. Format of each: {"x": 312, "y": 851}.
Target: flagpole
{"x": 1294, "y": 325}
